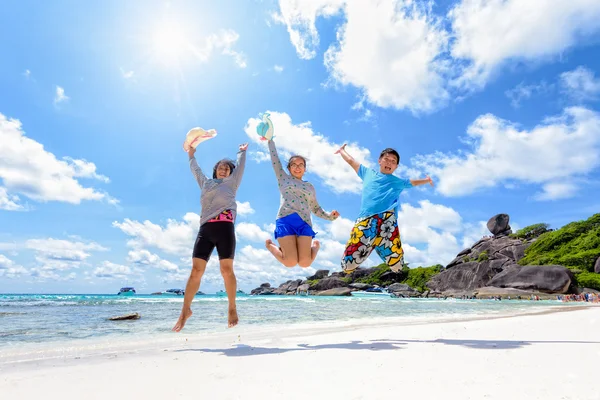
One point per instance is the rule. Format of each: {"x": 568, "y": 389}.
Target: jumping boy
{"x": 377, "y": 224}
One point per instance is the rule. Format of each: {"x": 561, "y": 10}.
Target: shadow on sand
{"x": 242, "y": 350}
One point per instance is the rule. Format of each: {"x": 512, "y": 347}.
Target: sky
{"x": 497, "y": 100}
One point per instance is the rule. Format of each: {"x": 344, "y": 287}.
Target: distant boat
{"x": 200, "y": 293}
{"x": 241, "y": 293}
{"x": 126, "y": 291}
{"x": 177, "y": 292}
{"x": 221, "y": 293}
{"x": 371, "y": 292}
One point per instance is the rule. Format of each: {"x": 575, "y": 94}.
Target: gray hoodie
{"x": 218, "y": 195}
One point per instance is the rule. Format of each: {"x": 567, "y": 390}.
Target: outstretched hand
{"x": 428, "y": 179}
{"x": 191, "y": 152}
{"x": 244, "y": 147}
{"x": 335, "y": 214}
{"x": 340, "y": 149}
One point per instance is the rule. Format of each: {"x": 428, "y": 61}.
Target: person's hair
{"x": 392, "y": 152}
{"x": 225, "y": 161}
{"x": 296, "y": 156}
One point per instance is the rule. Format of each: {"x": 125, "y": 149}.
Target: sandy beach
{"x": 551, "y": 355}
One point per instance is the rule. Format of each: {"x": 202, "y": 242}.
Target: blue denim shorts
{"x": 292, "y": 225}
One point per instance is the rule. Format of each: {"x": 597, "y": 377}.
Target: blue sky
{"x": 497, "y": 100}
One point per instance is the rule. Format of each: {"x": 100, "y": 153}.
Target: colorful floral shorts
{"x": 379, "y": 232}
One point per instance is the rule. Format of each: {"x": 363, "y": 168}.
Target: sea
{"x": 82, "y": 319}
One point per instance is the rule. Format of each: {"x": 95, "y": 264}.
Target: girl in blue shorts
{"x": 293, "y": 228}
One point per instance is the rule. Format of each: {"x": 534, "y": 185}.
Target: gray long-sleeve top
{"x": 218, "y": 195}
{"x": 297, "y": 196}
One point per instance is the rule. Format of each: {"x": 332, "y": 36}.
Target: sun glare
{"x": 170, "y": 44}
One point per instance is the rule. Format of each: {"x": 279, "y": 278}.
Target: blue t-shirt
{"x": 380, "y": 191}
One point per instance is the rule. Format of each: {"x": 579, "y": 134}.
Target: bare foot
{"x": 273, "y": 248}
{"x": 233, "y": 318}
{"x": 182, "y": 319}
{"x": 316, "y": 245}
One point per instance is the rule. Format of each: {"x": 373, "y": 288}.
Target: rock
{"x": 262, "y": 290}
{"x": 465, "y": 277}
{"x": 126, "y": 316}
{"x": 338, "y": 274}
{"x": 328, "y": 283}
{"x": 393, "y": 276}
{"x": 543, "y": 278}
{"x": 360, "y": 286}
{"x": 340, "y": 291}
{"x": 464, "y": 252}
{"x": 597, "y": 266}
{"x": 320, "y": 274}
{"x": 400, "y": 287}
{"x": 362, "y": 272}
{"x": 265, "y": 285}
{"x": 498, "y": 224}
{"x": 303, "y": 288}
{"x": 489, "y": 291}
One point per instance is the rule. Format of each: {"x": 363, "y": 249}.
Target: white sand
{"x": 548, "y": 356}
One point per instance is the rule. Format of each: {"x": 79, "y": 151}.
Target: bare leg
{"x": 287, "y": 253}
{"x": 314, "y": 250}
{"x": 230, "y": 288}
{"x": 193, "y": 284}
{"x": 305, "y": 251}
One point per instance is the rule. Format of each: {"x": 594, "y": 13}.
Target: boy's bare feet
{"x": 232, "y": 318}
{"x": 182, "y": 319}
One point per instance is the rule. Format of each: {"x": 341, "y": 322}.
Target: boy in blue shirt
{"x": 377, "y": 224}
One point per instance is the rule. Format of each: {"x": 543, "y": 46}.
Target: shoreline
{"x": 97, "y": 348}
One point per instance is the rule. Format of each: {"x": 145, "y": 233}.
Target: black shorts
{"x": 215, "y": 234}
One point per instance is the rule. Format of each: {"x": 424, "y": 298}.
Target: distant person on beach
{"x": 293, "y": 227}
{"x": 217, "y": 229}
{"x": 376, "y": 227}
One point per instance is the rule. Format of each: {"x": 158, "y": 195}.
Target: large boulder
{"x": 597, "y": 266}
{"x": 498, "y": 224}
{"x": 544, "y": 278}
{"x": 340, "y": 291}
{"x": 490, "y": 291}
{"x": 466, "y": 276}
{"x": 361, "y": 273}
{"x": 402, "y": 290}
{"x": 328, "y": 283}
{"x": 360, "y": 286}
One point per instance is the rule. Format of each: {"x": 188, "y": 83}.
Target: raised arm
{"x": 348, "y": 158}
{"x": 275, "y": 161}
{"x": 318, "y": 210}
{"x": 418, "y": 182}
{"x": 238, "y": 172}
{"x": 195, "y": 168}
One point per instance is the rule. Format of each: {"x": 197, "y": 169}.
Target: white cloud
{"x": 580, "y": 84}
{"x": 278, "y": 68}
{"x": 224, "y": 41}
{"x": 391, "y": 50}
{"x": 561, "y": 148}
{"x": 557, "y": 191}
{"x": 300, "y": 17}
{"x": 144, "y": 257}
{"x": 318, "y": 149}
{"x": 60, "y": 95}
{"x": 126, "y": 74}
{"x": 522, "y": 92}
{"x": 176, "y": 238}
{"x": 9, "y": 202}
{"x": 110, "y": 270}
{"x": 9, "y": 269}
{"x": 27, "y": 73}
{"x": 28, "y": 169}
{"x": 260, "y": 156}
{"x": 251, "y": 232}
{"x": 489, "y": 33}
{"x": 56, "y": 255}
{"x": 244, "y": 208}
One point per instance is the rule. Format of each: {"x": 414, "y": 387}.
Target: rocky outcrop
{"x": 328, "y": 283}
{"x": 263, "y": 289}
{"x": 499, "y": 226}
{"x": 360, "y": 286}
{"x": 493, "y": 262}
{"x": 402, "y": 290}
{"x": 597, "y": 266}
{"x": 546, "y": 278}
{"x": 320, "y": 274}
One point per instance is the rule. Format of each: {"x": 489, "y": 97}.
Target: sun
{"x": 170, "y": 44}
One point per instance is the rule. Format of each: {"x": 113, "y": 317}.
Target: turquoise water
{"x": 65, "y": 317}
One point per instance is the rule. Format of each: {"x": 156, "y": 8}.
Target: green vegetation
{"x": 575, "y": 246}
{"x": 483, "y": 256}
{"x": 418, "y": 277}
{"x": 531, "y": 231}
{"x": 375, "y": 277}
{"x": 312, "y": 282}
{"x": 589, "y": 280}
